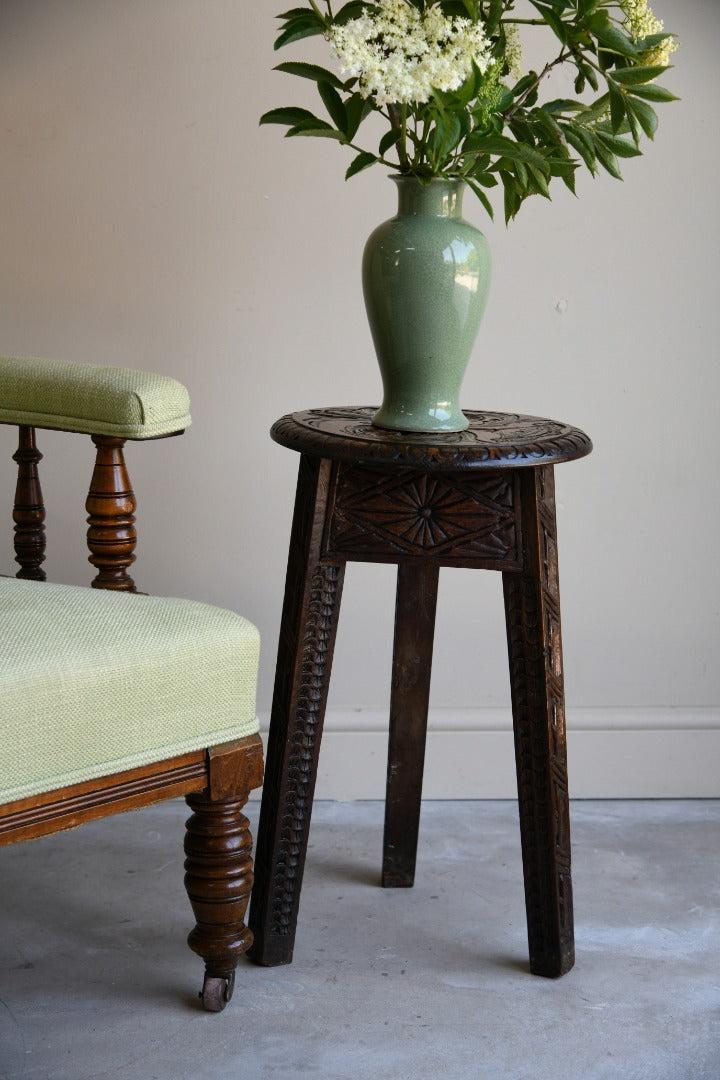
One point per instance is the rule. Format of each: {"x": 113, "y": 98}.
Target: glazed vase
{"x": 426, "y": 276}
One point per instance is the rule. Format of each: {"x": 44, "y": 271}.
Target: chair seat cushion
{"x": 94, "y": 682}
{"x": 95, "y": 400}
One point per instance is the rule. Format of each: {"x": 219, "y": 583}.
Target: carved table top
{"x": 493, "y": 440}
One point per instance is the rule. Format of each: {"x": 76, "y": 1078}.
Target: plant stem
{"x": 319, "y": 13}
{"x": 534, "y": 85}
{"x": 398, "y": 119}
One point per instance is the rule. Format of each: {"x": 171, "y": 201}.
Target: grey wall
{"x": 147, "y": 221}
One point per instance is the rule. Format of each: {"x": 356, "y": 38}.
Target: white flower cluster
{"x": 640, "y": 22}
{"x": 400, "y": 54}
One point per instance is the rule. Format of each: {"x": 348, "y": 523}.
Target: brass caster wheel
{"x": 217, "y": 991}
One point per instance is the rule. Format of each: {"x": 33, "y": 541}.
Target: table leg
{"x": 307, "y": 638}
{"x": 412, "y": 660}
{"x": 532, "y": 607}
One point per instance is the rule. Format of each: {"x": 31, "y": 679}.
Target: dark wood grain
{"x": 218, "y": 863}
{"x": 29, "y": 510}
{"x": 304, "y": 660}
{"x": 459, "y": 519}
{"x": 415, "y": 607}
{"x": 482, "y": 498}
{"x": 532, "y": 602}
{"x": 111, "y": 506}
{"x": 492, "y": 441}
{"x": 66, "y": 808}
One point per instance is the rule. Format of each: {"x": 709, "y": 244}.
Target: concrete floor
{"x": 422, "y": 984}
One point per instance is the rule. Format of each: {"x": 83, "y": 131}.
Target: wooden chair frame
{"x": 216, "y": 782}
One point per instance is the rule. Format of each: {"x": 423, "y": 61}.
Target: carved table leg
{"x": 532, "y": 607}
{"x": 412, "y": 660}
{"x": 111, "y": 505}
{"x": 218, "y": 866}
{"x": 29, "y": 511}
{"x": 305, "y": 650}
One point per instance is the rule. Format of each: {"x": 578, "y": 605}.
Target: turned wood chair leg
{"x": 218, "y": 866}
{"x": 29, "y": 510}
{"x": 532, "y": 605}
{"x": 412, "y": 661}
{"x": 307, "y": 640}
{"x": 111, "y": 505}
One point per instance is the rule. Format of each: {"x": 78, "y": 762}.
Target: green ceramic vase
{"x": 426, "y": 275}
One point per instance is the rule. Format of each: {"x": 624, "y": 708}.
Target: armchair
{"x": 111, "y": 701}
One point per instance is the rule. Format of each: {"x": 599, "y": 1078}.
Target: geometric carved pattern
{"x": 307, "y": 633}
{"x": 380, "y": 516}
{"x": 303, "y": 740}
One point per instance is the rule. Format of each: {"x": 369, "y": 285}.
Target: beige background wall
{"x": 147, "y": 221}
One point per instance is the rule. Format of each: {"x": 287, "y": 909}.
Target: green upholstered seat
{"x": 95, "y": 400}
{"x": 95, "y": 682}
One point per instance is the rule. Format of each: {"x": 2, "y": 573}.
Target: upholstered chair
{"x": 109, "y": 699}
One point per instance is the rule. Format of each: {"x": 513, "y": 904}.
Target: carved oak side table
{"x": 479, "y": 498}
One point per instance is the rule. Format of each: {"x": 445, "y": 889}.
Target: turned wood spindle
{"x": 218, "y": 865}
{"x": 29, "y": 511}
{"x": 111, "y": 505}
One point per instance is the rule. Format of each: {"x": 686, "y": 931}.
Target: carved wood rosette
{"x": 29, "y": 510}
{"x": 111, "y": 506}
{"x": 532, "y": 603}
{"x": 307, "y": 639}
{"x": 461, "y": 520}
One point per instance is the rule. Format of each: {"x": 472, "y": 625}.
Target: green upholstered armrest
{"x": 94, "y": 400}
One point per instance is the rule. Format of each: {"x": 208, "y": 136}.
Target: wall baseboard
{"x": 634, "y": 753}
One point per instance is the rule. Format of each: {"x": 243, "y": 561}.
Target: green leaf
{"x": 310, "y": 71}
{"x": 521, "y": 173}
{"x": 569, "y": 182}
{"x": 621, "y": 147}
{"x": 540, "y": 183}
{"x": 485, "y": 179}
{"x": 356, "y": 108}
{"x": 652, "y": 93}
{"x": 613, "y": 40}
{"x": 349, "y": 11}
{"x": 334, "y": 105}
{"x": 481, "y": 196}
{"x": 558, "y": 27}
{"x": 607, "y": 159}
{"x": 502, "y": 147}
{"x": 583, "y": 144}
{"x": 297, "y": 29}
{"x": 289, "y": 115}
{"x": 315, "y": 127}
{"x": 512, "y": 200}
{"x": 494, "y": 14}
{"x": 295, "y": 13}
{"x": 446, "y": 136}
{"x": 389, "y": 139}
{"x": 524, "y": 84}
{"x": 363, "y": 161}
{"x": 644, "y": 114}
{"x": 617, "y": 106}
{"x": 561, "y": 105}
{"x": 635, "y": 76}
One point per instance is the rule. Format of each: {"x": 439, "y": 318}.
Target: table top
{"x": 493, "y": 440}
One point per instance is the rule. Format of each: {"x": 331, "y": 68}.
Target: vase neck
{"x": 440, "y": 197}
